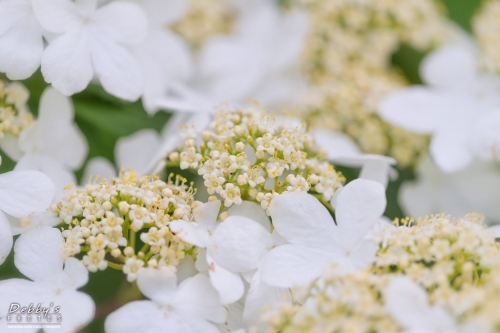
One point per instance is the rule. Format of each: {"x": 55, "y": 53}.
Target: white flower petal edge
{"x": 191, "y": 307}
{"x": 37, "y": 255}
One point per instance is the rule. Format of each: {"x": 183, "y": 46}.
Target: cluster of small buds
{"x": 438, "y": 251}
{"x": 486, "y": 26}
{"x": 204, "y": 19}
{"x": 457, "y": 262}
{"x": 14, "y": 115}
{"x": 249, "y": 154}
{"x": 123, "y": 223}
{"x": 347, "y": 59}
{"x": 338, "y": 303}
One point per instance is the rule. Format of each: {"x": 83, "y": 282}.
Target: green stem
{"x": 115, "y": 266}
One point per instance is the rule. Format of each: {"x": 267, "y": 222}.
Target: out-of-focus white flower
{"x": 190, "y": 307}
{"x": 163, "y": 56}
{"x": 22, "y": 193}
{"x": 53, "y": 144}
{"x": 408, "y": 303}
{"x": 92, "y": 40}
{"x": 451, "y": 108}
{"x": 54, "y": 280}
{"x": 473, "y": 189}
{"x": 21, "y": 43}
{"x": 315, "y": 240}
{"x": 257, "y": 61}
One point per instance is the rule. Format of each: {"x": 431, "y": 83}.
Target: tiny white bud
{"x": 260, "y": 154}
{"x": 259, "y": 197}
{"x": 123, "y": 206}
{"x": 178, "y": 213}
{"x": 206, "y": 135}
{"x": 224, "y": 215}
{"x": 116, "y": 253}
{"x": 173, "y": 156}
{"x": 128, "y": 251}
{"x": 107, "y": 205}
{"x": 238, "y": 130}
{"x": 242, "y": 180}
{"x": 240, "y": 146}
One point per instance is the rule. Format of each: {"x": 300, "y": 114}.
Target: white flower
{"x": 256, "y": 61}
{"x": 315, "y": 241}
{"x": 190, "y": 307}
{"x": 227, "y": 283}
{"x": 473, "y": 189}
{"x": 132, "y": 268}
{"x": 452, "y": 108}
{"x": 37, "y": 256}
{"x": 21, "y": 43}
{"x": 22, "y": 193}
{"x": 240, "y": 244}
{"x": 163, "y": 56}
{"x": 231, "y": 194}
{"x": 407, "y": 302}
{"x": 53, "y": 144}
{"x": 92, "y": 40}
{"x": 190, "y": 158}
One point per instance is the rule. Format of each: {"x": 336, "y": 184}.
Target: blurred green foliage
{"x": 104, "y": 119}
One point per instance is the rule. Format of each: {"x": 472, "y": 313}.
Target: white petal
{"x": 24, "y": 292}
{"x": 262, "y": 296}
{"x": 25, "y": 192}
{"x": 239, "y": 244}
{"x": 57, "y": 172}
{"x": 8, "y": 144}
{"x": 138, "y": 316}
{"x": 451, "y": 67}
{"x": 11, "y": 12}
{"x": 359, "y": 206}
{"x": 76, "y": 273}
{"x": 6, "y": 240}
{"x": 337, "y": 145}
{"x": 450, "y": 150}
{"x": 196, "y": 298}
{"x": 161, "y": 12}
{"x": 57, "y": 16}
{"x": 66, "y": 62}
{"x": 186, "y": 269}
{"x": 137, "y": 150}
{"x": 98, "y": 166}
{"x": 21, "y": 49}
{"x": 301, "y": 219}
{"x": 77, "y": 310}
{"x": 417, "y": 108}
{"x": 206, "y": 215}
{"x": 36, "y": 253}
{"x": 228, "y": 284}
{"x": 291, "y": 265}
{"x": 58, "y": 136}
{"x": 251, "y": 210}
{"x": 116, "y": 68}
{"x": 121, "y": 21}
{"x": 190, "y": 233}
{"x": 158, "y": 285}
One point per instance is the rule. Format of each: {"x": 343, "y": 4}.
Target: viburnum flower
{"x": 190, "y": 307}
{"x": 53, "y": 144}
{"x": 21, "y": 42}
{"x": 241, "y": 244}
{"x": 473, "y": 189}
{"x": 22, "y": 193}
{"x": 315, "y": 241}
{"x": 408, "y": 303}
{"x": 258, "y": 59}
{"x": 227, "y": 283}
{"x": 54, "y": 280}
{"x": 92, "y": 41}
{"x": 459, "y": 108}
{"x": 163, "y": 56}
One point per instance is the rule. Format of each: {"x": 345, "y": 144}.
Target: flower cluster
{"x": 486, "y": 26}
{"x": 446, "y": 267}
{"x": 249, "y": 154}
{"x": 347, "y": 57}
{"x": 14, "y": 115}
{"x": 107, "y": 221}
